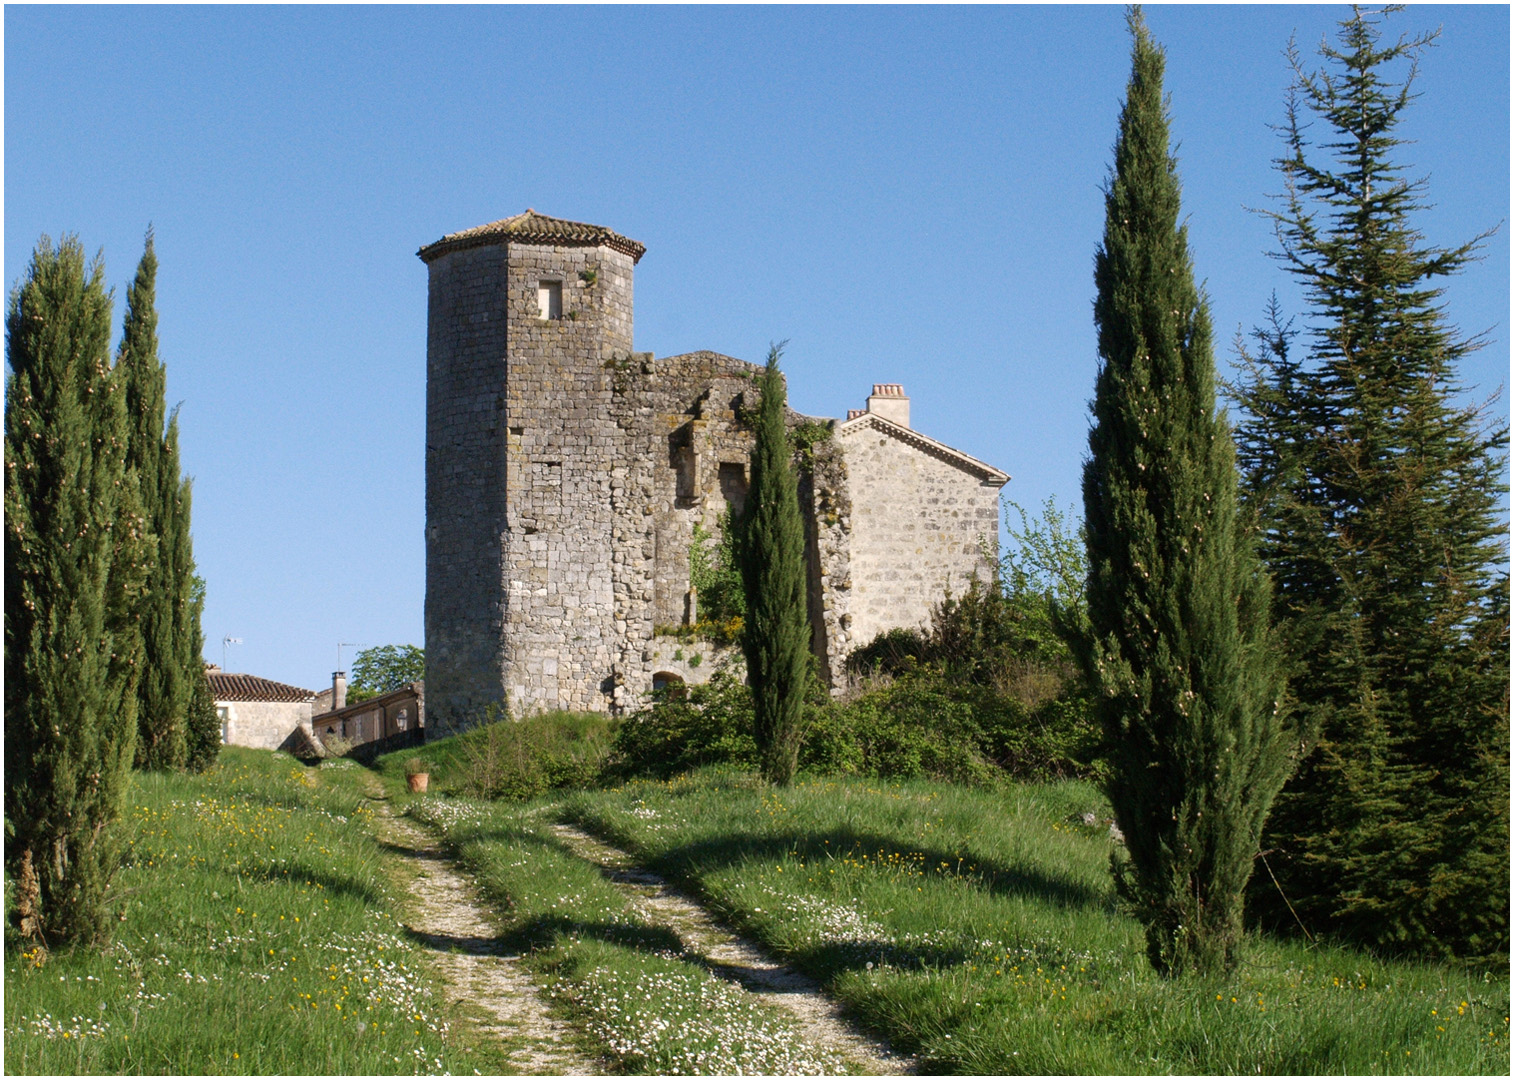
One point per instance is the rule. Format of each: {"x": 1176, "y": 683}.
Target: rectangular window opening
{"x": 549, "y": 299}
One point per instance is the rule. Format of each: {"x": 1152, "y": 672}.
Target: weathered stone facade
{"x": 565, "y": 474}
{"x": 260, "y": 713}
{"x": 921, "y": 515}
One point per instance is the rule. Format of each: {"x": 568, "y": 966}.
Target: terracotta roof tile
{"x": 534, "y": 228}
{"x": 228, "y": 687}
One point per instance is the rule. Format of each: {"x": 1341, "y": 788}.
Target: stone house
{"x": 375, "y": 725}
{"x": 261, "y": 713}
{"x": 565, "y": 474}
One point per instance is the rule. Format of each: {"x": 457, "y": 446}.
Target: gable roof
{"x": 534, "y": 228}
{"x": 966, "y": 462}
{"x": 228, "y": 687}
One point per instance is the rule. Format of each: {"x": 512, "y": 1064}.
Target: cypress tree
{"x": 204, "y": 725}
{"x": 1376, "y": 498}
{"x": 163, "y": 692}
{"x": 776, "y": 633}
{"x": 76, "y": 561}
{"x": 1178, "y": 642}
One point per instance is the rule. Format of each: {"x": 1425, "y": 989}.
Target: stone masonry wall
{"x": 682, "y": 421}
{"x": 565, "y": 612}
{"x": 264, "y": 725}
{"x": 919, "y": 525}
{"x": 466, "y": 479}
{"x": 826, "y": 501}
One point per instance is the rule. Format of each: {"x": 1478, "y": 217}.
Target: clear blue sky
{"x": 907, "y": 195}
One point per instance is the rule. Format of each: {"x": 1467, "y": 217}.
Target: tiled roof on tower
{"x": 534, "y": 228}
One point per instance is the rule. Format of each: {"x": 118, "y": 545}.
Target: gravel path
{"x": 735, "y": 958}
{"x": 444, "y": 912}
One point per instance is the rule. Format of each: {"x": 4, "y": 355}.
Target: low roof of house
{"x": 534, "y": 228}
{"x": 225, "y": 686}
{"x": 416, "y": 689}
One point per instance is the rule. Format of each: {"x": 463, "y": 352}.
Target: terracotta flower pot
{"x": 419, "y": 780}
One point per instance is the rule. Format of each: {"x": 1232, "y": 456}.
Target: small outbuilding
{"x": 261, "y": 713}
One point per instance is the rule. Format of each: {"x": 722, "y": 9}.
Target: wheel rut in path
{"x": 818, "y": 1017}
{"x": 444, "y": 913}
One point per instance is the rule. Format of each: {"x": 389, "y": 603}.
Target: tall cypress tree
{"x": 204, "y": 723}
{"x": 1376, "y": 497}
{"x": 776, "y": 634}
{"x": 163, "y": 692}
{"x": 76, "y": 558}
{"x": 1178, "y": 642}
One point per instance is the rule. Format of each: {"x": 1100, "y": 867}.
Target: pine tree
{"x": 76, "y": 560}
{"x": 1178, "y": 643}
{"x": 776, "y": 634}
{"x": 1375, "y": 496}
{"x": 163, "y": 692}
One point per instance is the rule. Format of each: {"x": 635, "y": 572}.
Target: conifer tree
{"x": 1375, "y": 496}
{"x": 76, "y": 558}
{"x": 776, "y": 634}
{"x": 163, "y": 692}
{"x": 1177, "y": 644}
{"x": 204, "y": 724}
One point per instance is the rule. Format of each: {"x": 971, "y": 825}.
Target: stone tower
{"x": 528, "y": 318}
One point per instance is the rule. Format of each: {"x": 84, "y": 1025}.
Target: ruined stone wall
{"x": 919, "y": 525}
{"x": 682, "y": 419}
{"x": 565, "y": 475}
{"x": 826, "y": 501}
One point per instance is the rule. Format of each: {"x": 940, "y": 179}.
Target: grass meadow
{"x": 978, "y": 929}
{"x": 258, "y": 935}
{"x": 647, "y": 1005}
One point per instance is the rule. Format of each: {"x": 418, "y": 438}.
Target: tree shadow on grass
{"x": 821, "y": 847}
{"x": 300, "y": 873}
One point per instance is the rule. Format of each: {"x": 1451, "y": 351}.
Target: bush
{"x": 920, "y": 725}
{"x": 926, "y": 726}
{"x": 911, "y": 729}
{"x": 522, "y": 759}
{"x": 698, "y": 725}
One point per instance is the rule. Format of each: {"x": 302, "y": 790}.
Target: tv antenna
{"x": 225, "y": 641}
{"x": 340, "y": 645}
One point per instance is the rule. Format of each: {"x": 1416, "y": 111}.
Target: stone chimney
{"x": 338, "y": 690}
{"x": 888, "y": 401}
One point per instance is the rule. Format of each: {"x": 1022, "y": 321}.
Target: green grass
{"x": 645, "y": 1003}
{"x": 514, "y": 759}
{"x": 979, "y": 930}
{"x": 257, "y": 935}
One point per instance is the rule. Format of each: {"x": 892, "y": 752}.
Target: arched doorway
{"x": 669, "y": 685}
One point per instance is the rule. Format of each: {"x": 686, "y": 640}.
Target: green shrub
{"x": 921, "y": 726}
{"x": 715, "y": 576}
{"x": 926, "y": 726}
{"x": 910, "y": 729}
{"x": 697, "y": 725}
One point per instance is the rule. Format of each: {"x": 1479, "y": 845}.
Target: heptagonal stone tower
{"x": 566, "y": 476}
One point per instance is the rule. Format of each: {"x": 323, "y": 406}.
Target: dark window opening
{"x": 670, "y": 685}
{"x": 733, "y": 485}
